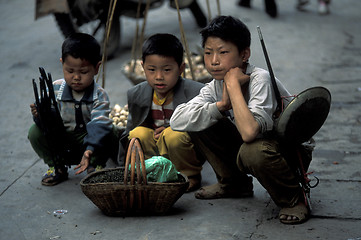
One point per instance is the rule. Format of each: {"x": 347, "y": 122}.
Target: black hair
{"x": 163, "y": 44}
{"x": 229, "y": 29}
{"x": 83, "y": 46}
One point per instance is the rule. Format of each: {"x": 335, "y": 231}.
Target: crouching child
{"x": 89, "y": 135}
{"x": 151, "y": 105}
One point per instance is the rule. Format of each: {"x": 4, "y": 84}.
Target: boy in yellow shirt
{"x": 151, "y": 105}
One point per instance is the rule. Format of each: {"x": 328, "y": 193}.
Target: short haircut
{"x": 229, "y": 29}
{"x": 163, "y": 44}
{"x": 83, "y": 46}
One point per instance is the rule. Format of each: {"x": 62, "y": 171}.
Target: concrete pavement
{"x": 305, "y": 49}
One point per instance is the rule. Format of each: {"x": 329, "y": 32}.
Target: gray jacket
{"x": 140, "y": 99}
{"x": 140, "y": 102}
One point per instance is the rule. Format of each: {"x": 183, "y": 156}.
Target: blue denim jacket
{"x": 90, "y": 114}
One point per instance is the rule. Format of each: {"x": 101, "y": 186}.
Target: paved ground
{"x": 305, "y": 50}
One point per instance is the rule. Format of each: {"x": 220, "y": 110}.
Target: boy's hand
{"x": 235, "y": 75}
{"x": 225, "y": 103}
{"x": 158, "y": 131}
{"x": 33, "y": 110}
{"x": 233, "y": 79}
{"x": 84, "y": 163}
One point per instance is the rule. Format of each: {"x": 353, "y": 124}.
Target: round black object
{"x": 304, "y": 115}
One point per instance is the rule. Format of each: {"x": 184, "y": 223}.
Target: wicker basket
{"x": 116, "y": 192}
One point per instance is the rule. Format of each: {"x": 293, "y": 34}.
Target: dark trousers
{"x": 273, "y": 164}
{"x": 219, "y": 145}
{"x": 52, "y": 156}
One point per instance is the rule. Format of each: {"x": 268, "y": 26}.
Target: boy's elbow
{"x": 176, "y": 121}
{"x": 248, "y": 138}
{"x": 250, "y": 135}
{"x": 175, "y": 126}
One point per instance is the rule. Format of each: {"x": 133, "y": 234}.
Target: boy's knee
{"x": 141, "y": 133}
{"x": 258, "y": 154}
{"x": 34, "y": 133}
{"x": 175, "y": 138}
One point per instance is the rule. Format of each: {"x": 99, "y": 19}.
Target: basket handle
{"x": 134, "y": 157}
{"x": 134, "y": 150}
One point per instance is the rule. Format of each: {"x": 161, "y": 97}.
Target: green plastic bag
{"x": 160, "y": 169}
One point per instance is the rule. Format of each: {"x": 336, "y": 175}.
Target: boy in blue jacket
{"x": 84, "y": 108}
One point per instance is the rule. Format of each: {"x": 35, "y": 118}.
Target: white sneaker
{"x": 323, "y": 8}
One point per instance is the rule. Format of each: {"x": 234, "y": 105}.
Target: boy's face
{"x": 162, "y": 73}
{"x": 78, "y": 73}
{"x": 220, "y": 57}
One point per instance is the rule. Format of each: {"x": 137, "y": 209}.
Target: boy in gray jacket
{"x": 151, "y": 104}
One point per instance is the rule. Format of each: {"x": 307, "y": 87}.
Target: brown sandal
{"x": 300, "y": 211}
{"x": 219, "y": 190}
